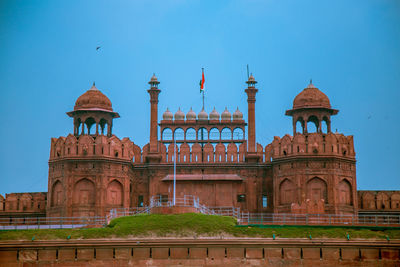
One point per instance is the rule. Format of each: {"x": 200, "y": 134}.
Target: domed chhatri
{"x": 237, "y": 115}
{"x": 214, "y": 115}
{"x": 311, "y": 97}
{"x": 191, "y": 115}
{"x": 167, "y": 115}
{"x": 93, "y": 99}
{"x": 226, "y": 115}
{"x": 202, "y": 116}
{"x": 179, "y": 115}
{"x": 311, "y": 105}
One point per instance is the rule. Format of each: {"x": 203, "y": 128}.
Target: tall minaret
{"x": 251, "y": 92}
{"x": 153, "y": 155}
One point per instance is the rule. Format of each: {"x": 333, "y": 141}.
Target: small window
{"x": 140, "y": 201}
{"x": 241, "y": 198}
{"x": 264, "y": 201}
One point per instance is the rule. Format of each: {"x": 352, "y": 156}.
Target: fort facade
{"x": 92, "y": 171}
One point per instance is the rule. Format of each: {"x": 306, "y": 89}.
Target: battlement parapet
{"x": 23, "y": 202}
{"x": 372, "y": 200}
{"x": 312, "y": 144}
{"x": 94, "y": 146}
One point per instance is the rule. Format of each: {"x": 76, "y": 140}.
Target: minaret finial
{"x": 311, "y": 81}
{"x": 94, "y": 83}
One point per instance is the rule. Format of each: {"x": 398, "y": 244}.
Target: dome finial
{"x": 93, "y": 86}
{"x": 311, "y": 85}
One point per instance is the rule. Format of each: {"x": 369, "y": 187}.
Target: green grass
{"x": 195, "y": 225}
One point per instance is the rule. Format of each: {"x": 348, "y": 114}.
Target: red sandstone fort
{"x": 92, "y": 171}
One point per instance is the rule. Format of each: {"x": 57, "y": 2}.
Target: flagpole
{"x": 174, "y": 170}
{"x": 202, "y": 71}
{"x": 203, "y": 98}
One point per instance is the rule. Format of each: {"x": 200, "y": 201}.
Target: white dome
{"x": 202, "y": 115}
{"x": 237, "y": 115}
{"x": 179, "y": 115}
{"x": 191, "y": 115}
{"x": 167, "y": 115}
{"x": 226, "y": 115}
{"x": 214, "y": 115}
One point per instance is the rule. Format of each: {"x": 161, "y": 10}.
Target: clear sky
{"x": 351, "y": 50}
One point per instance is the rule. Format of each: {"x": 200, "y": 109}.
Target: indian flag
{"x": 202, "y": 81}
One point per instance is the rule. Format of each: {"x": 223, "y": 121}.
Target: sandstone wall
{"x": 245, "y": 252}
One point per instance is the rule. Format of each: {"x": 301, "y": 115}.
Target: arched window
{"x": 179, "y": 134}
{"x": 312, "y": 124}
{"x": 300, "y": 125}
{"x": 202, "y": 134}
{"x": 89, "y": 123}
{"x": 238, "y": 134}
{"x": 226, "y": 134}
{"x": 103, "y": 126}
{"x": 214, "y": 134}
{"x": 190, "y": 134}
{"x": 166, "y": 134}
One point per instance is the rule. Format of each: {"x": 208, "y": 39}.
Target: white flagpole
{"x": 174, "y": 170}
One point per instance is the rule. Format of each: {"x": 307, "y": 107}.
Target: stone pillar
{"x": 153, "y": 155}
{"x": 153, "y": 118}
{"x": 251, "y": 92}
{"x": 294, "y": 127}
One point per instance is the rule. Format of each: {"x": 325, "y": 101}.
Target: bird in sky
{"x": 97, "y": 48}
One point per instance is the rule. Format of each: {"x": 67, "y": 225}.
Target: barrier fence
{"x": 243, "y": 218}
{"x": 50, "y": 222}
{"x": 319, "y": 219}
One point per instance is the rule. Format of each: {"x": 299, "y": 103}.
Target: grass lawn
{"x": 195, "y": 225}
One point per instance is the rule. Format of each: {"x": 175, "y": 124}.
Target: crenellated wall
{"x": 94, "y": 146}
{"x": 331, "y": 144}
{"x": 379, "y": 200}
{"x": 24, "y": 203}
{"x": 314, "y": 173}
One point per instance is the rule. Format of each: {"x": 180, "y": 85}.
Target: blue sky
{"x": 351, "y": 50}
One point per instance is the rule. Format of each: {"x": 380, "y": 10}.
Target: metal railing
{"x": 25, "y": 223}
{"x": 185, "y": 201}
{"x": 318, "y": 219}
{"x": 243, "y": 218}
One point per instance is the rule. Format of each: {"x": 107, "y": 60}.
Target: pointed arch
{"x": 287, "y": 192}
{"x": 345, "y": 192}
{"x": 115, "y": 193}
{"x": 368, "y": 201}
{"x": 317, "y": 190}
{"x": 84, "y": 192}
{"x": 57, "y": 194}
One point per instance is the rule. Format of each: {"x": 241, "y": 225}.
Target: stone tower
{"x": 314, "y": 172}
{"x": 89, "y": 169}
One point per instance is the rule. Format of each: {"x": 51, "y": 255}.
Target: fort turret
{"x": 313, "y": 171}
